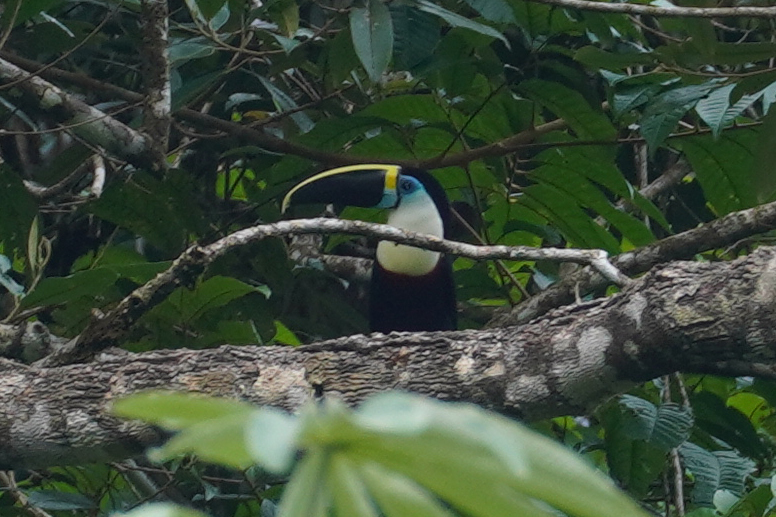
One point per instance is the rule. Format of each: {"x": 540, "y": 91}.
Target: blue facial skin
{"x": 405, "y": 188}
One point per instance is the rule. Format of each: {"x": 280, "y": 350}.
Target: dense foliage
{"x": 542, "y": 123}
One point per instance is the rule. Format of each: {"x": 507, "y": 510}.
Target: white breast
{"x": 418, "y": 214}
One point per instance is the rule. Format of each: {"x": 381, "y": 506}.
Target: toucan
{"x": 411, "y": 289}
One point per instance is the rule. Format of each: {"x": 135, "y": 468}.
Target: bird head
{"x": 367, "y": 185}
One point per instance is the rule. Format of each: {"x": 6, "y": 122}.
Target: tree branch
{"x": 105, "y": 330}
{"x": 156, "y": 75}
{"x": 89, "y": 123}
{"x": 651, "y": 10}
{"x": 272, "y": 143}
{"x": 717, "y": 234}
{"x": 713, "y": 317}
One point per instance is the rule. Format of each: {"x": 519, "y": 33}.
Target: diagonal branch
{"x": 105, "y": 330}
{"x": 717, "y": 234}
{"x": 91, "y": 124}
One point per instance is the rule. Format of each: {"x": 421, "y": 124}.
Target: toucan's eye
{"x": 406, "y": 185}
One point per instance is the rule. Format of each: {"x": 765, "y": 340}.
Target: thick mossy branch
{"x": 686, "y": 316}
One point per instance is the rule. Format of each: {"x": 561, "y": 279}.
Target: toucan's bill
{"x": 366, "y": 185}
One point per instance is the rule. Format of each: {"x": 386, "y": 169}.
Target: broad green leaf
{"x": 162, "y": 510}
{"x": 416, "y": 34}
{"x": 563, "y": 174}
{"x": 163, "y": 211}
{"x": 498, "y": 11}
{"x": 661, "y": 116}
{"x": 220, "y": 441}
{"x": 214, "y": 292}
{"x": 713, "y": 416}
{"x": 398, "y": 496}
{"x": 498, "y": 468}
{"x": 630, "y": 98}
{"x": 713, "y": 471}
{"x": 18, "y": 14}
{"x": 587, "y": 122}
{"x": 57, "y": 290}
{"x": 307, "y": 493}
{"x": 17, "y": 210}
{"x": 56, "y": 500}
{"x": 349, "y": 493}
{"x": 272, "y": 439}
{"x": 666, "y": 426}
{"x": 182, "y": 50}
{"x": 725, "y": 169}
{"x": 209, "y": 8}
{"x": 598, "y": 58}
{"x": 372, "y": 31}
{"x": 740, "y": 52}
{"x": 416, "y": 110}
{"x": 285, "y": 103}
{"x": 716, "y": 111}
{"x": 565, "y": 213}
{"x": 456, "y": 20}
{"x": 634, "y": 463}
{"x": 285, "y": 13}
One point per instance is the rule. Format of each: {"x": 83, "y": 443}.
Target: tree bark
{"x": 694, "y": 317}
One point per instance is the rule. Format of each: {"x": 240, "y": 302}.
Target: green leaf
{"x": 163, "y": 211}
{"x": 272, "y": 439}
{"x": 285, "y": 103}
{"x": 307, "y": 493}
{"x": 587, "y": 122}
{"x": 662, "y": 115}
{"x": 372, "y": 31}
{"x": 565, "y": 213}
{"x": 597, "y": 58}
{"x": 182, "y": 50}
{"x": 666, "y": 426}
{"x": 58, "y": 290}
{"x": 19, "y": 11}
{"x": 713, "y": 471}
{"x": 497, "y": 11}
{"x": 209, "y": 8}
{"x": 398, "y": 496}
{"x": 741, "y": 53}
{"x": 349, "y": 492}
{"x": 727, "y": 424}
{"x": 725, "y": 169}
{"x": 285, "y": 13}
{"x": 566, "y": 170}
{"x": 498, "y": 468}
{"x": 162, "y": 510}
{"x": 56, "y": 500}
{"x": 214, "y": 292}
{"x": 416, "y": 34}
{"x": 213, "y": 429}
{"x": 456, "y": 20}
{"x": 628, "y": 99}
{"x": 716, "y": 111}
{"x": 634, "y": 463}
{"x": 411, "y": 109}
{"x": 17, "y": 210}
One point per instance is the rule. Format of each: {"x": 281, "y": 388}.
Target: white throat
{"x": 418, "y": 214}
